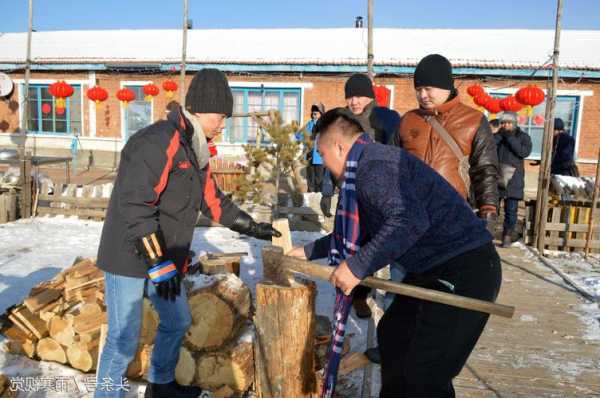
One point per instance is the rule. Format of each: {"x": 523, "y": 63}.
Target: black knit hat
{"x": 434, "y": 71}
{"x": 559, "y": 124}
{"x": 359, "y": 85}
{"x": 209, "y": 92}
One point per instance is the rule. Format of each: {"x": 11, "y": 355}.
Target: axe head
{"x": 273, "y": 268}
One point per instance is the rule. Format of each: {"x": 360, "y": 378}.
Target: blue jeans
{"x": 511, "y": 207}
{"x": 124, "y": 302}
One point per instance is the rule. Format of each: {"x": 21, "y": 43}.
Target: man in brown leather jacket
{"x": 468, "y": 127}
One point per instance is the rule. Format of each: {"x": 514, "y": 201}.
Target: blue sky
{"x": 166, "y": 14}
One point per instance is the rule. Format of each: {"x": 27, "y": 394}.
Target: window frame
{"x": 47, "y": 82}
{"x": 578, "y": 95}
{"x": 123, "y": 110}
{"x": 282, "y": 87}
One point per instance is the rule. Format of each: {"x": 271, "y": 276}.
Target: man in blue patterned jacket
{"x": 409, "y": 215}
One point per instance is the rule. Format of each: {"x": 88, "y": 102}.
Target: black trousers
{"x": 424, "y": 345}
{"x": 314, "y": 177}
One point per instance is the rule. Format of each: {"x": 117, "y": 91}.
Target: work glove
{"x": 326, "y": 206}
{"x": 244, "y": 224}
{"x": 162, "y": 272}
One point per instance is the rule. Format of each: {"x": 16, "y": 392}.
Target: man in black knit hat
{"x": 164, "y": 179}
{"x": 441, "y": 122}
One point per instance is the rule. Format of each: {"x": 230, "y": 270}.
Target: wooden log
{"x": 285, "y": 336}
{"x": 18, "y": 324}
{"x": 232, "y": 365}
{"x": 83, "y": 356}
{"x": 138, "y": 368}
{"x": 234, "y": 292}
{"x": 42, "y": 299}
{"x": 285, "y": 241}
{"x": 85, "y": 323}
{"x": 25, "y": 347}
{"x": 33, "y": 322}
{"x": 61, "y": 330}
{"x": 186, "y": 367}
{"x": 223, "y": 392}
{"x": 49, "y": 349}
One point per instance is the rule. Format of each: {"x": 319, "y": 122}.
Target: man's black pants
{"x": 314, "y": 177}
{"x": 424, "y": 345}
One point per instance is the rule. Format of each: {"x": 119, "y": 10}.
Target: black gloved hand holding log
{"x": 162, "y": 272}
{"x": 244, "y": 224}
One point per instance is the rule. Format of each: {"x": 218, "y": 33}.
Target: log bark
{"x": 186, "y": 367}
{"x": 285, "y": 337}
{"x": 49, "y": 349}
{"x": 231, "y": 366}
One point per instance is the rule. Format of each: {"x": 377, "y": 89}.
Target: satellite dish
{"x": 6, "y": 85}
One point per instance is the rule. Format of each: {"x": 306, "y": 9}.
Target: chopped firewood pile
{"x": 64, "y": 320}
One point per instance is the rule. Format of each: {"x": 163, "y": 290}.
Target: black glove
{"x": 244, "y": 224}
{"x": 326, "y": 206}
{"x": 163, "y": 273}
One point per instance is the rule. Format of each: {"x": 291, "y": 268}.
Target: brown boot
{"x": 361, "y": 308}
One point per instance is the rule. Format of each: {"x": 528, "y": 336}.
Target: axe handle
{"x": 324, "y": 272}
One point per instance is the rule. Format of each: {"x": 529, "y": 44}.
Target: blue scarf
{"x": 344, "y": 243}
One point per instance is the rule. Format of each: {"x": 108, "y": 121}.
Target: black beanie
{"x": 209, "y": 92}
{"x": 559, "y": 124}
{"x": 434, "y": 71}
{"x": 359, "y": 85}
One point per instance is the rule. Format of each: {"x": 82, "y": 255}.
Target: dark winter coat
{"x": 159, "y": 185}
{"x": 512, "y": 149}
{"x": 563, "y": 148}
{"x": 408, "y": 213}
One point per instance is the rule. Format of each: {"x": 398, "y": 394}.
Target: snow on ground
{"x": 34, "y": 250}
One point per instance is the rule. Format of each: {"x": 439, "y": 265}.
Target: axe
{"x": 280, "y": 268}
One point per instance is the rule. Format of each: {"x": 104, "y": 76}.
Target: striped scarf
{"x": 344, "y": 243}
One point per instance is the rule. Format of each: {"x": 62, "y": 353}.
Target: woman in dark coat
{"x": 513, "y": 146}
{"x": 563, "y": 147}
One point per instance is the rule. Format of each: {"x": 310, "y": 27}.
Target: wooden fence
{"x": 567, "y": 226}
{"x": 8, "y": 205}
{"x": 86, "y": 202}
{"x": 226, "y": 172}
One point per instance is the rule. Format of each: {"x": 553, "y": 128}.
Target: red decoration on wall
{"x": 150, "y": 91}
{"x": 59, "y": 111}
{"x": 46, "y": 108}
{"x": 383, "y": 95}
{"x": 538, "y": 120}
{"x": 169, "y": 86}
{"x": 61, "y": 90}
{"x": 522, "y": 119}
{"x": 475, "y": 90}
{"x": 125, "y": 95}
{"x": 530, "y": 96}
{"x": 97, "y": 94}
{"x": 510, "y": 104}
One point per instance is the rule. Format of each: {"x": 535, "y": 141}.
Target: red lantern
{"x": 59, "y": 111}
{"x": 510, "y": 104}
{"x": 125, "y": 95}
{"x": 97, "y": 94}
{"x": 530, "y": 96}
{"x": 169, "y": 86}
{"x": 493, "y": 106}
{"x": 150, "y": 90}
{"x": 475, "y": 90}
{"x": 481, "y": 99}
{"x": 538, "y": 120}
{"x": 61, "y": 90}
{"x": 46, "y": 108}
{"x": 382, "y": 95}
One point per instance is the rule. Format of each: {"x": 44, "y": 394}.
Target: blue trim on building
{"x": 306, "y": 68}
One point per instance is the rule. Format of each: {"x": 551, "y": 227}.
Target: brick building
{"x": 286, "y": 69}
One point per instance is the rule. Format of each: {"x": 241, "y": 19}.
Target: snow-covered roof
{"x": 514, "y": 49}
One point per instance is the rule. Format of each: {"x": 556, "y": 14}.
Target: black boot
{"x": 171, "y": 390}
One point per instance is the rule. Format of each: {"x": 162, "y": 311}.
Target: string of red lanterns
{"x": 528, "y": 97}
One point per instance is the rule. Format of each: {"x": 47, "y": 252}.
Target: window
{"x": 256, "y": 99}
{"x": 43, "y": 117}
{"x": 567, "y": 108}
{"x": 138, "y": 113}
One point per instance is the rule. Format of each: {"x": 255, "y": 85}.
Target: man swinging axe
{"x": 394, "y": 209}
{"x": 164, "y": 180}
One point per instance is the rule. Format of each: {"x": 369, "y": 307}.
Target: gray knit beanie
{"x": 209, "y": 92}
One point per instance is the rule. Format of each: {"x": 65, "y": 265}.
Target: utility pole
{"x": 27, "y": 75}
{"x": 183, "y": 52}
{"x": 544, "y": 177}
{"x": 370, "y": 40}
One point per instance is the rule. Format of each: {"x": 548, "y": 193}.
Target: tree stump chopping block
{"x": 285, "y": 337}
